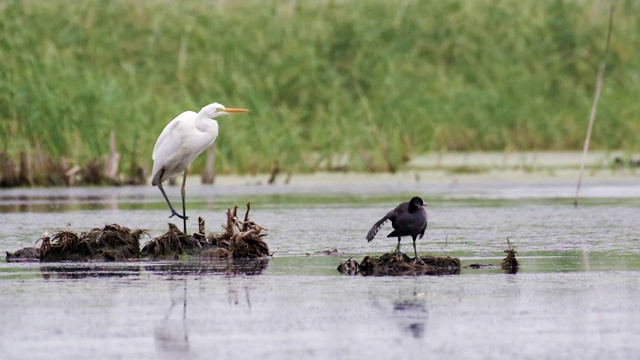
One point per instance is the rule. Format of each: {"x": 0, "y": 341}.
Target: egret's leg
{"x": 398, "y": 247}
{"x": 184, "y": 206}
{"x": 173, "y": 211}
{"x": 414, "y": 248}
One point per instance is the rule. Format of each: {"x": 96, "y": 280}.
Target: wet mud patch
{"x": 399, "y": 264}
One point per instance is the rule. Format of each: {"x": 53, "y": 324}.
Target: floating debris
{"x": 27, "y": 254}
{"x": 111, "y": 243}
{"x": 324, "y": 252}
{"x": 349, "y": 267}
{"x": 172, "y": 244}
{"x": 510, "y": 263}
{"x": 478, "y": 266}
{"x": 242, "y": 239}
{"x": 399, "y": 264}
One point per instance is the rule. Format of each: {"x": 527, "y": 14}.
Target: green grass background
{"x": 372, "y": 83}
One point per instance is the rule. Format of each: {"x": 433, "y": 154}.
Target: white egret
{"x": 181, "y": 141}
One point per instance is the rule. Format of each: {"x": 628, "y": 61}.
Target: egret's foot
{"x": 175, "y": 213}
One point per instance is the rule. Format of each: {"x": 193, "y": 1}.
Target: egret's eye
{"x": 219, "y": 109}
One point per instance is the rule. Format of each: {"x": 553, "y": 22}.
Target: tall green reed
{"x": 374, "y": 82}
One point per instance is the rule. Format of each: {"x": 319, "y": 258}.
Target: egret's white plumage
{"x": 181, "y": 141}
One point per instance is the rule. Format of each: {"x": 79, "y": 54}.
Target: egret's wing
{"x": 167, "y": 150}
{"x": 168, "y": 134}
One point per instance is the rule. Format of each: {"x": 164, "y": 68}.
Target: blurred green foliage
{"x": 362, "y": 84}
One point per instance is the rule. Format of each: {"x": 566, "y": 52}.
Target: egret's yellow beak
{"x": 232, "y": 110}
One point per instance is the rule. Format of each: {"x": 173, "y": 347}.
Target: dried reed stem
{"x": 594, "y": 106}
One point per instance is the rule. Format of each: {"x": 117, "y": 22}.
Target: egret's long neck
{"x": 203, "y": 123}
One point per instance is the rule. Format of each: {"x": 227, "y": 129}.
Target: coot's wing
{"x": 392, "y": 215}
{"x": 374, "y": 229}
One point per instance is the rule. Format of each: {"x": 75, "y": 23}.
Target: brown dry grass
{"x": 241, "y": 239}
{"x": 111, "y": 243}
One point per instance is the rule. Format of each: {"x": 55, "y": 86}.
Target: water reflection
{"x": 171, "y": 336}
{"x": 411, "y": 315}
{"x": 225, "y": 267}
{"x": 78, "y": 199}
{"x": 235, "y": 298}
{"x": 221, "y": 266}
{"x": 75, "y": 271}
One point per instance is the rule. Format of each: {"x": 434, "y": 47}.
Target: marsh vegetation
{"x": 344, "y": 85}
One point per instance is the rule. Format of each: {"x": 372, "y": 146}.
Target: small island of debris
{"x": 242, "y": 239}
{"x": 399, "y": 264}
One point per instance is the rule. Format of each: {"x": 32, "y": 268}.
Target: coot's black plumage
{"x": 407, "y": 219}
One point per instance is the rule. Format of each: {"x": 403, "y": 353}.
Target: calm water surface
{"x": 574, "y": 297}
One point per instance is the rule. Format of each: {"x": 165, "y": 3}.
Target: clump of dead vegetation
{"x": 171, "y": 244}
{"x": 241, "y": 239}
{"x": 510, "y": 263}
{"x": 399, "y": 264}
{"x": 24, "y": 255}
{"x": 111, "y": 243}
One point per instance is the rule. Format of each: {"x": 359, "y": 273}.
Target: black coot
{"x": 407, "y": 219}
